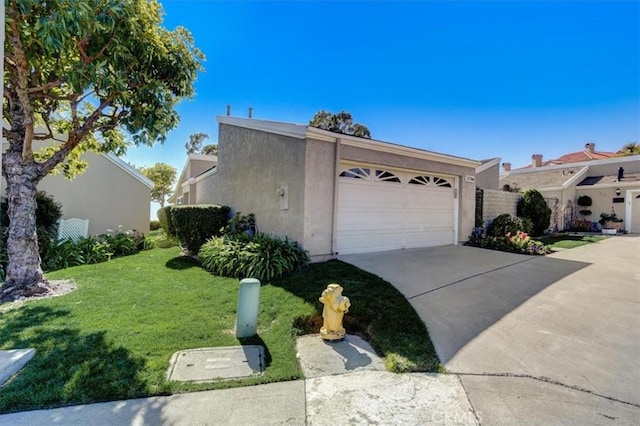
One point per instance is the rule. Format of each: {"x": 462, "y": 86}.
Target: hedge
{"x": 193, "y": 225}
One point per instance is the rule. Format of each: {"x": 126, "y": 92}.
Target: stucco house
{"x": 185, "y": 190}
{"x": 613, "y": 183}
{"x": 110, "y": 193}
{"x": 338, "y": 194}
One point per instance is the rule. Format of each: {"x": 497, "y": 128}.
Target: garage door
{"x": 385, "y": 209}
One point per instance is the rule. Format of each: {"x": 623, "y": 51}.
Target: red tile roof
{"x": 575, "y": 157}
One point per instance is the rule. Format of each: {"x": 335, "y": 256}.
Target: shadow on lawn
{"x": 182, "y": 262}
{"x": 69, "y": 367}
{"x": 379, "y": 313}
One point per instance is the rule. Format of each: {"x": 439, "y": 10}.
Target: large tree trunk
{"x": 24, "y": 274}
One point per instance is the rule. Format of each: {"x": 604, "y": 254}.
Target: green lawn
{"x": 113, "y": 337}
{"x": 570, "y": 241}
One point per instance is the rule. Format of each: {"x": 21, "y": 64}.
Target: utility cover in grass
{"x": 211, "y": 364}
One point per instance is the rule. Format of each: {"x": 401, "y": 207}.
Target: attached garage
{"x": 381, "y": 208}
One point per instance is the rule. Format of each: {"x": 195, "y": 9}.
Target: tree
{"x": 90, "y": 70}
{"x": 631, "y": 148}
{"x": 163, "y": 177}
{"x": 194, "y": 146}
{"x": 341, "y": 122}
{"x": 211, "y": 149}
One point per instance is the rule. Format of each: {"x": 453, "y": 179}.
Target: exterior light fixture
{"x": 618, "y": 192}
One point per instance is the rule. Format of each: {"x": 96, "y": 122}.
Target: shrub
{"x": 154, "y": 225}
{"x": 534, "y": 207}
{"x": 507, "y": 224}
{"x": 195, "y": 224}
{"x": 263, "y": 257}
{"x": 241, "y": 224}
{"x": 62, "y": 254}
{"x": 66, "y": 253}
{"x": 164, "y": 217}
{"x": 520, "y": 242}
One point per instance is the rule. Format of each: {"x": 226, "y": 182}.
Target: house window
{"x": 356, "y": 173}
{"x": 420, "y": 180}
{"x": 385, "y": 176}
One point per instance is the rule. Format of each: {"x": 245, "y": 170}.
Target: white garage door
{"x": 384, "y": 209}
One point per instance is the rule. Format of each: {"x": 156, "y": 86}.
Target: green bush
{"x": 195, "y": 224}
{"x": 520, "y": 242}
{"x": 241, "y": 224}
{"x": 66, "y": 253}
{"x": 507, "y": 224}
{"x": 165, "y": 222}
{"x": 263, "y": 257}
{"x": 154, "y": 225}
{"x": 534, "y": 207}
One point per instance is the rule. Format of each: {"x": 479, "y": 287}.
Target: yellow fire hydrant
{"x": 335, "y": 306}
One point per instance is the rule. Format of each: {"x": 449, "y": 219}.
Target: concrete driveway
{"x": 545, "y": 340}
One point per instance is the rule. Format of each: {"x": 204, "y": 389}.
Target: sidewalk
{"x": 346, "y": 385}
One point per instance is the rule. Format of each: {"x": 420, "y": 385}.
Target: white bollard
{"x": 248, "y": 304}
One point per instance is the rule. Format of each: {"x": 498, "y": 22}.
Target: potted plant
{"x": 610, "y": 223}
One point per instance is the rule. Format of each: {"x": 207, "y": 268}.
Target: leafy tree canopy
{"x": 194, "y": 145}
{"x": 163, "y": 177}
{"x": 93, "y": 71}
{"x": 631, "y": 148}
{"x": 341, "y": 122}
{"x": 211, "y": 149}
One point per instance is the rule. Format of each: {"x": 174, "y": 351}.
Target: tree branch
{"x": 22, "y": 72}
{"x": 76, "y": 136}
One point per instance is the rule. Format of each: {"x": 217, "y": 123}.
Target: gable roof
{"x": 213, "y": 159}
{"x": 554, "y": 178}
{"x": 300, "y": 131}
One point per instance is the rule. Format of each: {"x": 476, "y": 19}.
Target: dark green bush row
{"x": 193, "y": 225}
{"x": 154, "y": 225}
{"x": 262, "y": 256}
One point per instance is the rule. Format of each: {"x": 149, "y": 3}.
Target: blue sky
{"x": 473, "y": 79}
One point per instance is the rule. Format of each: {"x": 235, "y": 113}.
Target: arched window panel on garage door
{"x": 420, "y": 180}
{"x": 441, "y": 182}
{"x": 356, "y": 173}
{"x": 386, "y": 176}
{"x": 431, "y": 181}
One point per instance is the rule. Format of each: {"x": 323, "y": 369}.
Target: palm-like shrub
{"x": 263, "y": 256}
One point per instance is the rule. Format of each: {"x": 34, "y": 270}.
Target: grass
{"x": 565, "y": 241}
{"x": 113, "y": 337}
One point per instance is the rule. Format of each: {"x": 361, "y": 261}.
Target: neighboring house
{"x": 110, "y": 193}
{"x": 488, "y": 174}
{"x": 562, "y": 184}
{"x": 338, "y": 194}
{"x": 589, "y": 153}
{"x": 196, "y": 165}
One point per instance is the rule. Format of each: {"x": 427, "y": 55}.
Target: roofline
{"x": 608, "y": 185}
{"x": 625, "y": 159}
{"x": 299, "y": 131}
{"x": 488, "y": 164}
{"x": 190, "y": 157}
{"x": 127, "y": 168}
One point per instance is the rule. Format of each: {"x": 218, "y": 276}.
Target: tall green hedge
{"x": 193, "y": 225}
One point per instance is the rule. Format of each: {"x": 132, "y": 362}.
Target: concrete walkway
{"x": 347, "y": 384}
{"x": 545, "y": 340}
